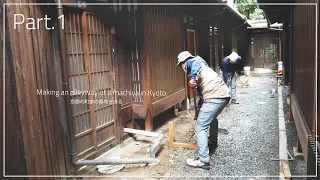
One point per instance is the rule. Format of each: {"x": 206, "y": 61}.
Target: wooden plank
{"x": 170, "y": 126}
{"x": 147, "y": 98}
{"x": 17, "y": 65}
{"x": 37, "y": 36}
{"x": 285, "y": 169}
{"x": 302, "y": 128}
{"x": 167, "y": 102}
{"x": 45, "y": 57}
{"x": 59, "y": 107}
{"x": 175, "y": 144}
{"x": 185, "y": 145}
{"x": 15, "y": 161}
{"x": 39, "y": 163}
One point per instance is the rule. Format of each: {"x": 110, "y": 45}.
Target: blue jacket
{"x": 228, "y": 67}
{"x": 194, "y": 65}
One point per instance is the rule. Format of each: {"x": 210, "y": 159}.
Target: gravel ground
{"x": 247, "y": 150}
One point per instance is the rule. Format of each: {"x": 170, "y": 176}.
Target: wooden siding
{"x": 33, "y": 67}
{"x": 165, "y": 41}
{"x": 124, "y": 77}
{"x": 304, "y": 62}
{"x": 15, "y": 163}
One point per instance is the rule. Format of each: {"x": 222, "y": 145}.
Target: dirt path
{"x": 246, "y": 150}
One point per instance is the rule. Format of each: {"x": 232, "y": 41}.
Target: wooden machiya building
{"x": 92, "y": 51}
{"x": 300, "y": 55}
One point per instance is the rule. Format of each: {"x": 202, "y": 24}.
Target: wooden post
{"x": 87, "y": 62}
{"x": 170, "y": 126}
{"x": 147, "y": 98}
{"x": 144, "y": 37}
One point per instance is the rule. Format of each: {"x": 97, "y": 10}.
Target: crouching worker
{"x": 215, "y": 95}
{"x": 230, "y": 66}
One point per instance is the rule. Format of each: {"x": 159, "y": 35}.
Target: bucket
{"x": 246, "y": 70}
{"x": 280, "y": 70}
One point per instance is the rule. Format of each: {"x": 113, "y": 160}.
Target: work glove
{"x": 192, "y": 83}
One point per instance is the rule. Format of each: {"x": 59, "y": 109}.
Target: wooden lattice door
{"x": 91, "y": 79}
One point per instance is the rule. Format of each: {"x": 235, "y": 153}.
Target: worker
{"x": 215, "y": 94}
{"x": 230, "y": 66}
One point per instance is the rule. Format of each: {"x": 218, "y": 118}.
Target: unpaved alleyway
{"x": 249, "y": 149}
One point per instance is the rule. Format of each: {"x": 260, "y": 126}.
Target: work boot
{"x": 198, "y": 164}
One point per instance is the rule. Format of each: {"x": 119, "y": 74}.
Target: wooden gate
{"x": 91, "y": 81}
{"x": 265, "y": 48}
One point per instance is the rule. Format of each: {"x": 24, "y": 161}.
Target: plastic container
{"x": 280, "y": 69}
{"x": 246, "y": 70}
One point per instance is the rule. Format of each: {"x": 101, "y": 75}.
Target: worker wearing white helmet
{"x": 230, "y": 66}
{"x": 215, "y": 95}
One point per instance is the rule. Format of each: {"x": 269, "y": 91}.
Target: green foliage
{"x": 250, "y": 9}
{"x": 257, "y": 14}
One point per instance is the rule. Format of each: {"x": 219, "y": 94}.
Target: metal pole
{"x": 118, "y": 161}
{"x": 146, "y": 133}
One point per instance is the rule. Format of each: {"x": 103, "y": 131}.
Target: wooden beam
{"x": 174, "y": 144}
{"x": 285, "y": 169}
{"x": 302, "y": 128}
{"x": 185, "y": 145}
{"x": 167, "y": 102}
{"x": 147, "y": 98}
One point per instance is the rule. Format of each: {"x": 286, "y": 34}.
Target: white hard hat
{"x": 183, "y": 56}
{"x": 233, "y": 56}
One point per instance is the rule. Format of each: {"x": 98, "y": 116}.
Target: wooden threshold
{"x": 168, "y": 102}
{"x": 302, "y": 128}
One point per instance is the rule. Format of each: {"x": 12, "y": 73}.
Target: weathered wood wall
{"x": 34, "y": 121}
{"x": 165, "y": 41}
{"x": 303, "y": 81}
{"x": 15, "y": 163}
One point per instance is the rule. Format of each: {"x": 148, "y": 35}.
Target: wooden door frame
{"x": 97, "y": 149}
